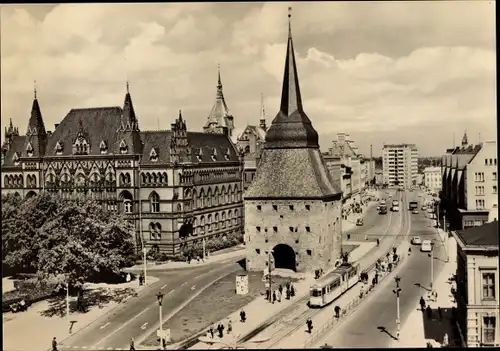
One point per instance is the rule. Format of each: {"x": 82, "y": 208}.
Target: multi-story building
{"x": 432, "y": 178}
{"x": 400, "y": 164}
{"x": 477, "y": 285}
{"x": 379, "y": 177}
{"x": 469, "y": 184}
{"x": 177, "y": 186}
{"x": 336, "y": 169}
{"x": 250, "y": 143}
{"x": 292, "y": 208}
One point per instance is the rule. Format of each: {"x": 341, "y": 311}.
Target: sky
{"x": 383, "y": 72}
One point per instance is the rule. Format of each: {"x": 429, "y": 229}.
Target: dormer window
{"x": 29, "y": 150}
{"x": 153, "y": 155}
{"x": 227, "y": 154}
{"x": 214, "y": 154}
{"x": 200, "y": 155}
{"x": 123, "y": 147}
{"x": 59, "y": 148}
{"x": 15, "y": 158}
{"x": 81, "y": 146}
{"x": 103, "y": 147}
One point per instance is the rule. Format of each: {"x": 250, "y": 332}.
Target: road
{"x": 373, "y": 324}
{"x": 140, "y": 315}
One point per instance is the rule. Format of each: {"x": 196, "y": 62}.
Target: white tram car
{"x": 331, "y": 286}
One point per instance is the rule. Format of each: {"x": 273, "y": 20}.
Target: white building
{"x": 432, "y": 178}
{"x": 399, "y": 163}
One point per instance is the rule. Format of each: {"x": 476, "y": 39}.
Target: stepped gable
{"x": 17, "y": 145}
{"x": 100, "y": 123}
{"x": 291, "y": 164}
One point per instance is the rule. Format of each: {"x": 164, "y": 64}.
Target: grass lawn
{"x": 214, "y": 304}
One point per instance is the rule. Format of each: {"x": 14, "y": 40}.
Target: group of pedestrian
{"x": 220, "y": 329}
{"x": 277, "y": 294}
{"x": 318, "y": 273}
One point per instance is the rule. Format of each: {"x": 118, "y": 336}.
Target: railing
{"x": 350, "y": 307}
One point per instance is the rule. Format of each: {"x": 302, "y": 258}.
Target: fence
{"x": 316, "y": 336}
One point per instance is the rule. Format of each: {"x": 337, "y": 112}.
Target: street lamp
{"x": 397, "y": 291}
{"x": 159, "y": 296}
{"x": 431, "y": 255}
{"x": 269, "y": 261}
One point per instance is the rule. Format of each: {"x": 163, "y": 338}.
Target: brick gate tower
{"x": 292, "y": 207}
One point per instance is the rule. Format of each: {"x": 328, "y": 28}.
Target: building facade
{"x": 469, "y": 184}
{"x": 292, "y": 208}
{"x": 478, "y": 309}
{"x": 400, "y": 164}
{"x": 251, "y": 143}
{"x": 432, "y": 178}
{"x": 177, "y": 186}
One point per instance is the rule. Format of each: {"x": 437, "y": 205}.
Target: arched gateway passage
{"x": 284, "y": 257}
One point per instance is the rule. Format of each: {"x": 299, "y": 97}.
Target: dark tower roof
{"x": 464, "y": 139}
{"x": 291, "y": 128}
{"x": 35, "y": 124}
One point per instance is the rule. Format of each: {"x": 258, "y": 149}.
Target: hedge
{"x": 30, "y": 290}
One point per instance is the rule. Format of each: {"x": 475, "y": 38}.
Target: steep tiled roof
{"x": 485, "y": 235}
{"x": 99, "y": 124}
{"x": 160, "y": 141}
{"x": 292, "y": 173}
{"x": 220, "y": 112}
{"x": 16, "y": 146}
{"x": 207, "y": 142}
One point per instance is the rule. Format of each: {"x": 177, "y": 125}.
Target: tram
{"x": 334, "y": 284}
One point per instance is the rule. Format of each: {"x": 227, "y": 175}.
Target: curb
{"x": 120, "y": 304}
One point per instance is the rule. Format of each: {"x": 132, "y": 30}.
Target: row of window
{"x": 480, "y": 204}
{"x": 490, "y": 161}
{"x": 479, "y": 176}
{"x": 473, "y": 223}
{"x": 479, "y": 190}
{"x": 290, "y": 207}
{"x": 291, "y": 229}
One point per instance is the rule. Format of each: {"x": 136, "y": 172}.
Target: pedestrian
{"x": 422, "y": 304}
{"x": 268, "y": 294}
{"x": 278, "y": 295}
{"x": 280, "y": 289}
{"x": 211, "y": 330}
{"x": 409, "y": 251}
{"x": 309, "y": 325}
{"x": 287, "y": 293}
{"x": 220, "y": 328}
{"x": 337, "y": 312}
{"x": 373, "y": 281}
{"x": 429, "y": 311}
{"x": 274, "y": 296}
{"x": 292, "y": 291}
{"x": 141, "y": 278}
{"x": 229, "y": 326}
{"x": 440, "y": 313}
{"x": 378, "y": 242}
{"x": 54, "y": 344}
{"x": 132, "y": 344}
{"x": 243, "y": 316}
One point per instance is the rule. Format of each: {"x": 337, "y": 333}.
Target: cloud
{"x": 374, "y": 70}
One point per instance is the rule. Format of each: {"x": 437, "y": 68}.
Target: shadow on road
{"x": 91, "y": 298}
{"x": 243, "y": 263}
{"x": 423, "y": 287}
{"x": 384, "y": 330}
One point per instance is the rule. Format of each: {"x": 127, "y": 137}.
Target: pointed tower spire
{"x": 464, "y": 139}
{"x": 34, "y": 89}
{"x": 262, "y": 122}
{"x": 220, "y": 94}
{"x": 36, "y": 135}
{"x": 291, "y": 128}
{"x": 129, "y": 118}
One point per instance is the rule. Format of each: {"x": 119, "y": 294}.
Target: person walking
{"x": 278, "y": 295}
{"x": 274, "y": 296}
{"x": 54, "y": 344}
{"x": 229, "y": 326}
{"x": 280, "y": 289}
{"x": 422, "y": 304}
{"x": 337, "y": 312}
{"x": 211, "y": 330}
{"x": 309, "y": 325}
{"x": 429, "y": 312}
{"x": 243, "y": 316}
{"x": 132, "y": 344}
{"x": 292, "y": 290}
{"x": 220, "y": 328}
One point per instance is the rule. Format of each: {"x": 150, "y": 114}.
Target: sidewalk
{"x": 417, "y": 330}
{"x": 213, "y": 258}
{"x": 260, "y": 310}
{"x": 31, "y": 330}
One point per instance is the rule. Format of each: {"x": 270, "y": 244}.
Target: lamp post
{"x": 159, "y": 296}
{"x": 269, "y": 275}
{"x": 397, "y": 291}
{"x": 431, "y": 255}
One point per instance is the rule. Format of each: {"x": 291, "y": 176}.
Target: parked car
{"x": 416, "y": 240}
{"x": 415, "y": 211}
{"x": 426, "y": 246}
{"x": 424, "y": 208}
{"x": 359, "y": 221}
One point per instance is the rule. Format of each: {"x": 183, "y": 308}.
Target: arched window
{"x": 203, "y": 198}
{"x": 229, "y": 191}
{"x": 216, "y": 220}
{"x": 195, "y": 228}
{"x": 223, "y": 220}
{"x": 158, "y": 231}
{"x": 127, "y": 178}
{"x": 222, "y": 193}
{"x": 6, "y": 180}
{"x": 143, "y": 178}
{"x": 202, "y": 225}
{"x": 165, "y": 178}
{"x": 126, "y": 199}
{"x": 155, "y": 178}
{"x": 209, "y": 197}
{"x": 236, "y": 217}
{"x": 216, "y": 196}
{"x": 179, "y": 208}
{"x": 154, "y": 200}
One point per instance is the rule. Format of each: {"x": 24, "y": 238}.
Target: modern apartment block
{"x": 399, "y": 163}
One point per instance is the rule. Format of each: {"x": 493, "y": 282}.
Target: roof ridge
{"x": 95, "y": 108}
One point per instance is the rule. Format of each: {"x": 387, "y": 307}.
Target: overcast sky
{"x": 381, "y": 71}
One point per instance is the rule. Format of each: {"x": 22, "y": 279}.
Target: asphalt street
{"x": 373, "y": 324}
{"x": 140, "y": 314}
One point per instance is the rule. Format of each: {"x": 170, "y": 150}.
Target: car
{"x": 426, "y": 246}
{"x": 415, "y": 211}
{"x": 424, "y": 208}
{"x": 359, "y": 221}
{"x": 416, "y": 240}
{"x": 395, "y": 208}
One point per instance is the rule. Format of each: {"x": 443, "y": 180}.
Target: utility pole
{"x": 431, "y": 255}
{"x": 397, "y": 291}
{"x": 204, "y": 248}
{"x": 269, "y": 276}
{"x": 144, "y": 250}
{"x": 159, "y": 296}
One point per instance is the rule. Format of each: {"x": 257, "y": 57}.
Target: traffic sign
{"x": 163, "y": 334}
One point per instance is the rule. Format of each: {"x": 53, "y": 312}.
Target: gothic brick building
{"x": 292, "y": 207}
{"x": 177, "y": 186}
